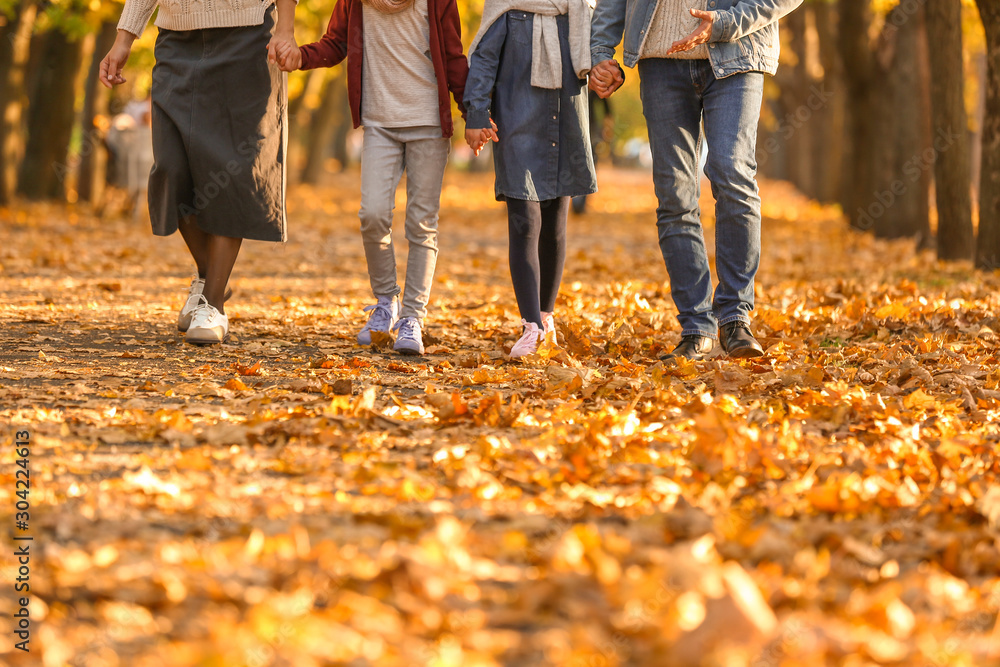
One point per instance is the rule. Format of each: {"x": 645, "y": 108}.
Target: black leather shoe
{"x": 738, "y": 342}
{"x": 692, "y": 347}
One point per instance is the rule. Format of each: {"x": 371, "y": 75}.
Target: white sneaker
{"x": 196, "y": 298}
{"x": 383, "y": 316}
{"x": 549, "y": 328}
{"x": 408, "y": 337}
{"x": 528, "y": 342}
{"x": 194, "y": 301}
{"x": 208, "y": 327}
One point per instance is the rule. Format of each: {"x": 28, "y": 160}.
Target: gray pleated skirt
{"x": 219, "y": 127}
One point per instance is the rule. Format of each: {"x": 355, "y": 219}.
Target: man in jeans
{"x": 699, "y": 60}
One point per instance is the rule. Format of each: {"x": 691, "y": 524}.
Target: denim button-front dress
{"x": 544, "y": 150}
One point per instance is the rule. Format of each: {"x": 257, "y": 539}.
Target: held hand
{"x": 114, "y": 62}
{"x": 700, "y": 35}
{"x": 605, "y": 78}
{"x": 605, "y": 72}
{"x": 488, "y": 135}
{"x": 477, "y": 138}
{"x": 283, "y": 51}
{"x": 289, "y": 57}
{"x": 603, "y": 92}
{"x": 472, "y": 137}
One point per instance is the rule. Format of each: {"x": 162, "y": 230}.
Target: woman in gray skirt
{"x": 219, "y": 135}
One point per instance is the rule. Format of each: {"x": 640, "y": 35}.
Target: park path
{"x": 292, "y": 499}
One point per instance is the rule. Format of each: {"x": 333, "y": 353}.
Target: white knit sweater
{"x": 192, "y": 14}
{"x": 672, "y": 22}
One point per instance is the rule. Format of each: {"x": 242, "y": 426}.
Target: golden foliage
{"x": 293, "y": 499}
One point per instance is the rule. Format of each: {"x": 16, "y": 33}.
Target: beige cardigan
{"x": 192, "y": 14}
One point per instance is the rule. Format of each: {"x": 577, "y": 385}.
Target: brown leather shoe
{"x": 692, "y": 347}
{"x": 738, "y": 342}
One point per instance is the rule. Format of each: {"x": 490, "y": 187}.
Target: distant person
{"x": 218, "y": 135}
{"x": 403, "y": 58}
{"x": 527, "y": 76}
{"x": 130, "y": 142}
{"x": 696, "y": 64}
{"x": 139, "y": 110}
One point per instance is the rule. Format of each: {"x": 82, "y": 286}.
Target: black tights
{"x": 537, "y": 233}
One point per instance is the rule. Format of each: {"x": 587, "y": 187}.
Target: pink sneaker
{"x": 528, "y": 342}
{"x": 549, "y": 328}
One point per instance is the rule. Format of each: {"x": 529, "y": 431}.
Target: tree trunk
{"x": 786, "y": 153}
{"x": 93, "y": 157}
{"x": 299, "y": 115}
{"x": 862, "y": 84}
{"x": 809, "y": 108}
{"x": 952, "y": 177}
{"x": 988, "y": 245}
{"x": 976, "y": 138}
{"x": 905, "y": 189}
{"x": 831, "y": 117}
{"x": 885, "y": 183}
{"x": 16, "y": 38}
{"x": 50, "y": 121}
{"x": 323, "y": 125}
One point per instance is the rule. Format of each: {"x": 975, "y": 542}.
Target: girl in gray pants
{"x": 403, "y": 58}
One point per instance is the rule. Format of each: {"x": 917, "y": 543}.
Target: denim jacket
{"x": 744, "y": 35}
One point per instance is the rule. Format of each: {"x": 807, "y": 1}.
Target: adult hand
{"x": 114, "y": 62}
{"x": 700, "y": 35}
{"x": 605, "y": 78}
{"x": 283, "y": 50}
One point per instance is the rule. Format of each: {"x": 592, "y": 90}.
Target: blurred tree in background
{"x": 988, "y": 247}
{"x": 879, "y": 106}
{"x": 890, "y": 108}
{"x": 953, "y": 167}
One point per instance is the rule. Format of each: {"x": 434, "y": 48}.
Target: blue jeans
{"x": 676, "y": 96}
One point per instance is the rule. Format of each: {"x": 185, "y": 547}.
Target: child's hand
{"x": 289, "y": 57}
{"x": 283, "y": 50}
{"x": 479, "y": 138}
{"x": 474, "y": 139}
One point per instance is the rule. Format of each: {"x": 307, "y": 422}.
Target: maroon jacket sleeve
{"x": 331, "y": 49}
{"x": 456, "y": 65}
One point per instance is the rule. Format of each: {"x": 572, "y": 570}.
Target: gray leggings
{"x": 423, "y": 154}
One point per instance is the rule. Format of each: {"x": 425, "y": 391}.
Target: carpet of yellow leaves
{"x": 293, "y": 499}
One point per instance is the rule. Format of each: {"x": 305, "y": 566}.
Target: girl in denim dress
{"x": 527, "y": 91}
